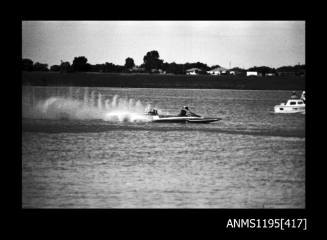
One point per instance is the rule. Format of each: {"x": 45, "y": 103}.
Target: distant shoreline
{"x": 141, "y": 80}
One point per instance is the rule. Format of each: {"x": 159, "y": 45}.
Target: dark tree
{"x": 97, "y": 68}
{"x": 110, "y": 67}
{"x": 299, "y": 69}
{"x": 27, "y": 64}
{"x": 292, "y": 68}
{"x": 65, "y": 67}
{"x": 295, "y": 70}
{"x": 286, "y": 69}
{"x": 40, "y": 67}
{"x": 80, "y": 64}
{"x": 55, "y": 68}
{"x": 129, "y": 63}
{"x": 204, "y": 67}
{"x": 237, "y": 69}
{"x": 151, "y": 61}
{"x": 215, "y": 66}
{"x": 173, "y": 68}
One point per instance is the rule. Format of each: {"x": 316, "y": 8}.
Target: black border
{"x": 188, "y": 220}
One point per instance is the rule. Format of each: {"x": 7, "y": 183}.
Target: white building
{"x": 137, "y": 69}
{"x": 270, "y": 74}
{"x": 217, "y": 71}
{"x": 193, "y": 71}
{"x": 251, "y": 73}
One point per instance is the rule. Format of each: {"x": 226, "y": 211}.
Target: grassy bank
{"x": 162, "y": 81}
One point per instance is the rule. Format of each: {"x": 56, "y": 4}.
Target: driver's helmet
{"x": 185, "y": 107}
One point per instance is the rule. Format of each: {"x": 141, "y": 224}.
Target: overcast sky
{"x": 239, "y": 43}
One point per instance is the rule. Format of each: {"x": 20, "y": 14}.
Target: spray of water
{"x": 95, "y": 106}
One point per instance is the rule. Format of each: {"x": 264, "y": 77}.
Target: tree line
{"x": 151, "y": 64}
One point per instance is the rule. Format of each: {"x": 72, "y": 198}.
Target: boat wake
{"x": 90, "y": 108}
{"x": 83, "y": 126}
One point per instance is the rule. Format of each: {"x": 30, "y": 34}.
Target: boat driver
{"x": 184, "y": 111}
{"x": 153, "y": 112}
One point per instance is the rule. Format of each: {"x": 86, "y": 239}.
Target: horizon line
{"x": 71, "y": 62}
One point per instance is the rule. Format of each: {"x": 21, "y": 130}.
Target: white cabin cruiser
{"x": 293, "y": 105}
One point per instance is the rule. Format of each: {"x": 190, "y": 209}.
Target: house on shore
{"x": 218, "y": 71}
{"x": 270, "y": 74}
{"x": 154, "y": 70}
{"x": 193, "y": 71}
{"x": 237, "y": 71}
{"x": 137, "y": 69}
{"x": 252, "y": 73}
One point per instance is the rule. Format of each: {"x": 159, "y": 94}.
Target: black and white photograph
{"x": 163, "y": 114}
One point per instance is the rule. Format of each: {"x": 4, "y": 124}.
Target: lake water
{"x": 93, "y": 148}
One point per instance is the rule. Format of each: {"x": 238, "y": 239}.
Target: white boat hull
{"x": 289, "y": 109}
{"x": 179, "y": 119}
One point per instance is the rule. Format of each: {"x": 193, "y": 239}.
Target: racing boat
{"x": 192, "y": 118}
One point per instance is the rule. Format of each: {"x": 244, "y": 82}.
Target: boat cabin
{"x": 295, "y": 102}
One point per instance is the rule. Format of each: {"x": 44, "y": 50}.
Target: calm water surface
{"x": 252, "y": 158}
